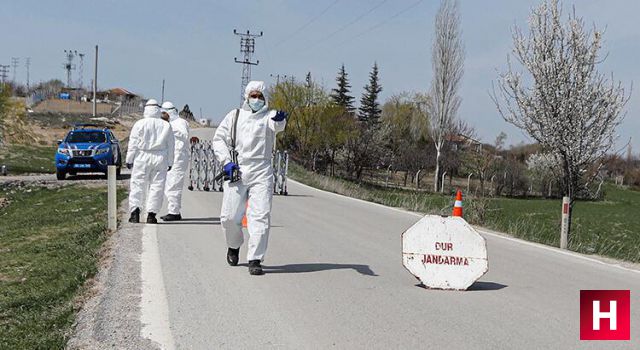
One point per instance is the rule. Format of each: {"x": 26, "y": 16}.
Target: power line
{"x": 247, "y": 49}
{"x": 278, "y": 76}
{"x": 313, "y": 19}
{"x": 382, "y": 23}
{"x": 356, "y": 20}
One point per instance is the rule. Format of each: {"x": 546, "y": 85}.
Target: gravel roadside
{"x": 110, "y": 318}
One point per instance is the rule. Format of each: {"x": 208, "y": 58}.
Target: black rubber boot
{"x": 255, "y": 269}
{"x": 135, "y": 216}
{"x": 172, "y": 217}
{"x": 233, "y": 256}
{"x": 151, "y": 218}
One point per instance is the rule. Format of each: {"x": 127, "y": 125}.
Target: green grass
{"x": 609, "y": 228}
{"x": 49, "y": 246}
{"x": 22, "y": 159}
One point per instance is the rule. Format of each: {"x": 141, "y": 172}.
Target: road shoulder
{"x": 110, "y": 318}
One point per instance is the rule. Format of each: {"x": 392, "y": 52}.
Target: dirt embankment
{"x": 15, "y": 127}
{"x": 71, "y": 107}
{"x": 45, "y": 126}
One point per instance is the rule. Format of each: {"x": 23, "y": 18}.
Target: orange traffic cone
{"x": 244, "y": 218}
{"x": 457, "y": 207}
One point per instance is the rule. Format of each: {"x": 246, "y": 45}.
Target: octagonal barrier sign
{"x": 444, "y": 252}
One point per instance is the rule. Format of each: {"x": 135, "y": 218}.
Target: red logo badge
{"x": 605, "y": 315}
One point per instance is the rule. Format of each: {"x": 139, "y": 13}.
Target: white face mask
{"x": 256, "y": 104}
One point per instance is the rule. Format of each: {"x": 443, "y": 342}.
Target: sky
{"x": 190, "y": 44}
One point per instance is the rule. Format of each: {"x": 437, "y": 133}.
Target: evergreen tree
{"x": 340, "y": 95}
{"x": 369, "y": 110}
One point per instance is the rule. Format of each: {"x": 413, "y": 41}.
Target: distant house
{"x": 463, "y": 142}
{"x": 118, "y": 94}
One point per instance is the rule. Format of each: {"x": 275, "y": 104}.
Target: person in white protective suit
{"x": 175, "y": 177}
{"x": 150, "y": 154}
{"x": 256, "y": 127}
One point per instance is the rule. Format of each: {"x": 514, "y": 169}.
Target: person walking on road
{"x": 151, "y": 155}
{"x": 175, "y": 177}
{"x": 243, "y": 142}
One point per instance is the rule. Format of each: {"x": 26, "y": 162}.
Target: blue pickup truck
{"x": 87, "y": 148}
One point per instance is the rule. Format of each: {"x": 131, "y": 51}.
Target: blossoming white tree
{"x": 563, "y": 102}
{"x": 543, "y": 168}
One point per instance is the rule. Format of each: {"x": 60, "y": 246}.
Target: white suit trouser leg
{"x": 148, "y": 178}
{"x": 173, "y": 188}
{"x": 259, "y": 195}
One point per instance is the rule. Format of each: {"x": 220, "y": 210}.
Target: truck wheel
{"x": 60, "y": 175}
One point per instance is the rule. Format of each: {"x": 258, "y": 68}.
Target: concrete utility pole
{"x": 162, "y": 98}
{"x": 27, "y": 63}
{"x": 15, "y": 62}
{"x": 247, "y": 48}
{"x": 68, "y": 64}
{"x": 95, "y": 82}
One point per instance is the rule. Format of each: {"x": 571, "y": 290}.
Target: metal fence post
{"x": 111, "y": 202}
{"x": 444, "y": 177}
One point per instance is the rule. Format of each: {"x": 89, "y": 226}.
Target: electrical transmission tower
{"x": 81, "y": 71}
{"x": 247, "y": 48}
{"x": 4, "y": 69}
{"x": 68, "y": 65}
{"x": 15, "y": 62}
{"x": 27, "y": 64}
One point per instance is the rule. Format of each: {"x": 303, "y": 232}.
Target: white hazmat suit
{"x": 175, "y": 177}
{"x": 151, "y": 148}
{"x": 255, "y": 137}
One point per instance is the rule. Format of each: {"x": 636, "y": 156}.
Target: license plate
{"x": 82, "y": 165}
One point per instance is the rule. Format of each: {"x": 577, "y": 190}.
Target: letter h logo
{"x": 605, "y": 315}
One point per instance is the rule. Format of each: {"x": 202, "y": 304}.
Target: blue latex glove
{"x": 129, "y": 165}
{"x": 280, "y": 116}
{"x": 229, "y": 167}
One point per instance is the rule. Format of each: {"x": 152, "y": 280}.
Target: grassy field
{"x": 22, "y": 159}
{"x": 609, "y": 228}
{"x": 49, "y": 246}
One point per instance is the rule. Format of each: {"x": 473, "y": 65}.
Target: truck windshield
{"x": 86, "y": 136}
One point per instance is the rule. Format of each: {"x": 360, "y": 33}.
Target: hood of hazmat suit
{"x": 152, "y": 109}
{"x": 170, "y": 109}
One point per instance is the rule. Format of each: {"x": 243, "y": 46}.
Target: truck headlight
{"x": 102, "y": 151}
{"x": 65, "y": 151}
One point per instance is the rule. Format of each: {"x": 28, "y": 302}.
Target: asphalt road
{"x": 335, "y": 280}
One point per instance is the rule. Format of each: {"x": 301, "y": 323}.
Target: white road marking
{"x": 484, "y": 231}
{"x": 154, "y": 308}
